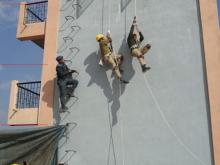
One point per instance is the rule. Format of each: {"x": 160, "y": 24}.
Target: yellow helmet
{"x": 99, "y": 36}
{"x": 15, "y": 164}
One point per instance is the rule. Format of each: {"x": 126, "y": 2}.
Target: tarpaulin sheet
{"x": 36, "y": 146}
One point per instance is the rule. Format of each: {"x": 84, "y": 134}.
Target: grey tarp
{"x": 37, "y": 146}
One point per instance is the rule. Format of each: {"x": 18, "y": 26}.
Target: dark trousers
{"x": 63, "y": 88}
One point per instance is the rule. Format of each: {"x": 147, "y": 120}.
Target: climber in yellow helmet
{"x": 108, "y": 55}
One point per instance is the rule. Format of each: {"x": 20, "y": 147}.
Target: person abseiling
{"x": 134, "y": 42}
{"x": 109, "y": 57}
{"x": 64, "y": 78}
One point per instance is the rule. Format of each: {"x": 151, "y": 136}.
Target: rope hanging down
{"x": 120, "y": 111}
{"x": 168, "y": 124}
{"x": 162, "y": 113}
{"x": 135, "y": 7}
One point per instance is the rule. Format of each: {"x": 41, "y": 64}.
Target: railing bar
{"x": 35, "y": 15}
{"x": 32, "y": 82}
{"x": 25, "y": 100}
{"x": 29, "y": 90}
{"x": 29, "y": 100}
{"x": 36, "y": 2}
{"x": 36, "y": 12}
{"x": 18, "y": 98}
{"x": 22, "y": 95}
{"x": 27, "y": 104}
{"x": 27, "y": 96}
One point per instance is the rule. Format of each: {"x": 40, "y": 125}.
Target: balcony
{"x": 32, "y": 21}
{"x": 24, "y": 103}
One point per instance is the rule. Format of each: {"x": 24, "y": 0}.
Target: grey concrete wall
{"x": 161, "y": 117}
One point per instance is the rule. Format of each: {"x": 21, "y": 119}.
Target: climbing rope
{"x": 163, "y": 116}
{"x": 109, "y": 15}
{"x": 111, "y": 137}
{"x": 135, "y": 7}
{"x": 168, "y": 124}
{"x": 122, "y": 129}
{"x": 120, "y": 111}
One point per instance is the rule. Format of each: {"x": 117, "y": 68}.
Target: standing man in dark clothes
{"x": 64, "y": 78}
{"x": 134, "y": 42}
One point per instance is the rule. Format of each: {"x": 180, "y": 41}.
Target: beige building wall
{"x": 28, "y": 31}
{"x": 49, "y": 71}
{"x": 43, "y": 116}
{"x": 16, "y": 116}
{"x": 211, "y": 39}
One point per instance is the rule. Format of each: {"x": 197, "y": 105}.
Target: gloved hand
{"x": 73, "y": 71}
{"x": 135, "y": 20}
{"x": 109, "y": 36}
{"x": 76, "y": 71}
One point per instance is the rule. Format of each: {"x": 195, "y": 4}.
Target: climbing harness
{"x": 134, "y": 47}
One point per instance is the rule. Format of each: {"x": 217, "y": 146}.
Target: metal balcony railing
{"x": 28, "y": 95}
{"x": 36, "y": 12}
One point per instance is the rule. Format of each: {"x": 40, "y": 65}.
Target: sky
{"x": 14, "y": 51}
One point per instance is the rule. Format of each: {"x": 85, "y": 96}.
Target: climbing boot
{"x": 122, "y": 58}
{"x": 124, "y": 81}
{"x": 148, "y": 46}
{"x": 145, "y": 68}
{"x": 71, "y": 94}
{"x": 64, "y": 108}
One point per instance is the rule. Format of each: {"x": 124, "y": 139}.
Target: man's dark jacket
{"x": 63, "y": 72}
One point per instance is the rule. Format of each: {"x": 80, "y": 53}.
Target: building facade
{"x": 167, "y": 116}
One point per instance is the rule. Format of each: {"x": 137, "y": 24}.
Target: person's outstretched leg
{"x": 62, "y": 88}
{"x": 119, "y": 60}
{"x": 115, "y": 67}
{"x": 145, "y": 49}
{"x": 111, "y": 61}
{"x": 137, "y": 53}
